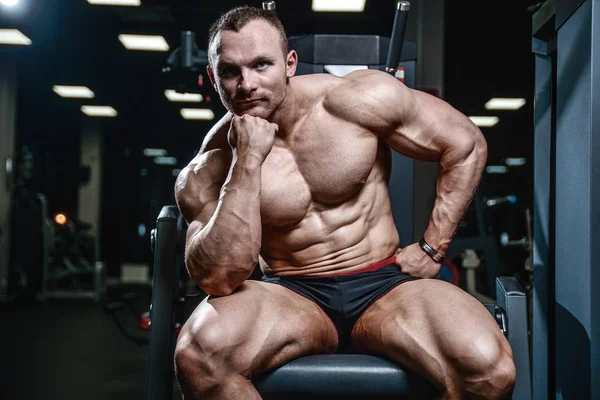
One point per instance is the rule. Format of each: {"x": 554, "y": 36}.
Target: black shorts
{"x": 345, "y": 297}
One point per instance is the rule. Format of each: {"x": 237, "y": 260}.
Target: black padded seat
{"x": 343, "y": 376}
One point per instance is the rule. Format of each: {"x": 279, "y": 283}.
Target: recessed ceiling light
{"x": 14, "y": 36}
{"x": 133, "y": 3}
{"x": 172, "y": 95}
{"x": 338, "y": 5}
{"x": 80, "y": 92}
{"x": 485, "y": 121}
{"x": 501, "y": 103}
{"x": 204, "y": 114}
{"x": 144, "y": 42}
{"x": 342, "y": 70}
{"x": 99, "y": 111}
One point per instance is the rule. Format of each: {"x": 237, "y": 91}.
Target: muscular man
{"x": 295, "y": 177}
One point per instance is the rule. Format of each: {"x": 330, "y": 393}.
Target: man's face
{"x": 250, "y": 71}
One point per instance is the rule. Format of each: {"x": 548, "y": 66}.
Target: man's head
{"x": 249, "y": 62}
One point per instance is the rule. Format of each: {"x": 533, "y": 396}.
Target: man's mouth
{"x": 248, "y": 101}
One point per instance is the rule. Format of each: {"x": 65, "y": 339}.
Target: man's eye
{"x": 226, "y": 72}
{"x": 262, "y": 64}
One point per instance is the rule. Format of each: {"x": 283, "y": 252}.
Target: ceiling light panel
{"x": 203, "y": 114}
{"x": 484, "y": 121}
{"x": 165, "y": 160}
{"x": 77, "y": 92}
{"x": 172, "y": 95}
{"x": 155, "y": 152}
{"x": 99, "y": 111}
{"x": 130, "y": 3}
{"x": 496, "y": 169}
{"x": 502, "y": 103}
{"x": 14, "y": 37}
{"x": 144, "y": 42}
{"x": 338, "y": 5}
{"x": 515, "y": 161}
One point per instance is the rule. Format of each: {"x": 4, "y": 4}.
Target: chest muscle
{"x": 327, "y": 164}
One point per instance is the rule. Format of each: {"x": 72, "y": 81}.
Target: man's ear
{"x": 211, "y": 76}
{"x": 291, "y": 63}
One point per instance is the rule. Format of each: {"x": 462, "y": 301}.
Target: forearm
{"x": 458, "y": 178}
{"x": 223, "y": 254}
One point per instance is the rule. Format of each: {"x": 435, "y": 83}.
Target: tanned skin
{"x": 295, "y": 178}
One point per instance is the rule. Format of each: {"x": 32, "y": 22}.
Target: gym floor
{"x": 68, "y": 350}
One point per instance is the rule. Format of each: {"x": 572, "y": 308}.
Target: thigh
{"x": 259, "y": 327}
{"x": 431, "y": 327}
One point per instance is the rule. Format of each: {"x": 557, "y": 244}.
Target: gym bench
{"x": 347, "y": 376}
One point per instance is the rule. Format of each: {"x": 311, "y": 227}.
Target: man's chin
{"x": 253, "y": 112}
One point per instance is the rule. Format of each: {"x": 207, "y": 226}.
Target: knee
{"x": 199, "y": 362}
{"x": 501, "y": 377}
{"x": 492, "y": 374}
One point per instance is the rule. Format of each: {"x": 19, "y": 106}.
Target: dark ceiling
{"x": 487, "y": 54}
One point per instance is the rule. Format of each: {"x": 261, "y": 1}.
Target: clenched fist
{"x": 250, "y": 135}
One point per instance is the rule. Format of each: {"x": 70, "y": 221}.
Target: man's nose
{"x": 248, "y": 82}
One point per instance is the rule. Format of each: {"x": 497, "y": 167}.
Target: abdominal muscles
{"x": 305, "y": 237}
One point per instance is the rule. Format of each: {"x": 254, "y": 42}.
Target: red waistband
{"x": 368, "y": 268}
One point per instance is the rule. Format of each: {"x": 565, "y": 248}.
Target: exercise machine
{"x": 319, "y": 376}
{"x": 566, "y": 229}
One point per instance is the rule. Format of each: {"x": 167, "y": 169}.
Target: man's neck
{"x": 288, "y": 113}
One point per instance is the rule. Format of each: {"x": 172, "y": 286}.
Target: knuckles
{"x": 251, "y": 122}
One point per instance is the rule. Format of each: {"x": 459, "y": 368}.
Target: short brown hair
{"x": 236, "y": 18}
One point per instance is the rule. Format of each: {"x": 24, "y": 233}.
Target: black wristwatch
{"x": 431, "y": 252}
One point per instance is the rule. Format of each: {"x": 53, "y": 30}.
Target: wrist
{"x": 248, "y": 160}
{"x": 439, "y": 243}
{"x": 431, "y": 251}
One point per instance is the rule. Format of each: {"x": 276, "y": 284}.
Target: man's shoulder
{"x": 338, "y": 90}
{"x": 316, "y": 86}
{"x": 215, "y": 150}
{"x": 216, "y": 138}
{"x": 356, "y": 89}
{"x": 366, "y": 80}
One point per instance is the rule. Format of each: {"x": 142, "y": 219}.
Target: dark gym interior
{"x": 80, "y": 194}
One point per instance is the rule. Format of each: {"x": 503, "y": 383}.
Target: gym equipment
{"x": 67, "y": 274}
{"x": 48, "y": 260}
{"x": 319, "y": 376}
{"x": 483, "y": 241}
{"x": 28, "y": 253}
{"x": 470, "y": 262}
{"x": 566, "y": 287}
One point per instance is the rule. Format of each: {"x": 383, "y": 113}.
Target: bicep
{"x": 426, "y": 127}
{"x": 412, "y": 122}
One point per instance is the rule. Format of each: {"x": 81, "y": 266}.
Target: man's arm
{"x": 423, "y": 127}
{"x": 219, "y": 197}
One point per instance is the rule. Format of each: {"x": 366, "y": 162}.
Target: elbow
{"x": 469, "y": 148}
{"x": 218, "y": 290}
{"x": 480, "y": 148}
{"x": 220, "y": 281}
{"x": 472, "y": 147}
